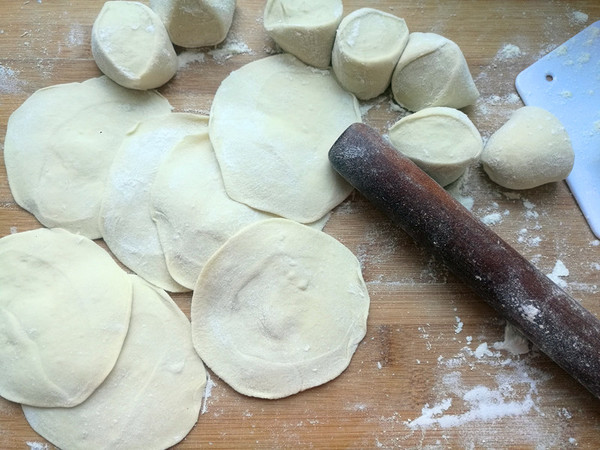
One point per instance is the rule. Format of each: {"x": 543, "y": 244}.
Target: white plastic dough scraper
{"x": 566, "y": 82}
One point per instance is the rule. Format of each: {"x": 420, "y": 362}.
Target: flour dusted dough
{"x": 367, "y": 47}
{"x": 532, "y": 148}
{"x": 152, "y": 397}
{"x": 441, "y": 141}
{"x": 195, "y": 23}
{"x": 304, "y": 28}
{"x": 127, "y": 224}
{"x": 193, "y": 213}
{"x": 132, "y": 47}
{"x": 432, "y": 71}
{"x": 280, "y": 308}
{"x": 60, "y": 144}
{"x": 272, "y": 123}
{"x": 65, "y": 307}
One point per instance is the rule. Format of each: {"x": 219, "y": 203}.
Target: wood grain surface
{"x": 429, "y": 373}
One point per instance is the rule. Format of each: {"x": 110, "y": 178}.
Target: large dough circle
{"x": 272, "y": 124}
{"x": 152, "y": 397}
{"x": 60, "y": 144}
{"x": 280, "y": 308}
{"x": 65, "y": 307}
{"x": 127, "y": 224}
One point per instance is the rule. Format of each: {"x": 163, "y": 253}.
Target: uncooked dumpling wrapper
{"x": 272, "y": 124}
{"x": 280, "y": 308}
{"x": 60, "y": 144}
{"x": 150, "y": 400}
{"x": 127, "y": 224}
{"x": 65, "y": 307}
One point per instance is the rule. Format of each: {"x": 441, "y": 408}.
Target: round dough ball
{"x": 127, "y": 224}
{"x": 132, "y": 47}
{"x": 532, "y": 148}
{"x": 150, "y": 400}
{"x": 65, "y": 307}
{"x": 57, "y": 163}
{"x": 195, "y": 23}
{"x": 272, "y": 124}
{"x": 441, "y": 141}
{"x": 280, "y": 308}
{"x": 367, "y": 47}
{"x": 304, "y": 28}
{"x": 432, "y": 71}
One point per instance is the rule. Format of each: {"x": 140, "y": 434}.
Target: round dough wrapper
{"x": 127, "y": 224}
{"x": 280, "y": 308}
{"x": 432, "y": 71}
{"x": 272, "y": 124}
{"x": 441, "y": 141}
{"x": 131, "y": 46}
{"x": 150, "y": 400}
{"x": 57, "y": 163}
{"x": 304, "y": 28}
{"x": 195, "y": 23}
{"x": 65, "y": 307}
{"x": 532, "y": 148}
{"x": 192, "y": 211}
{"x": 367, "y": 47}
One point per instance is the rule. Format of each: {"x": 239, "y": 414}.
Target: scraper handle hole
{"x": 549, "y": 77}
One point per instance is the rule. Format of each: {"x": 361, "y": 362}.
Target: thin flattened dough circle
{"x": 280, "y": 308}
{"x": 57, "y": 163}
{"x": 65, "y": 307}
{"x": 272, "y": 124}
{"x": 152, "y": 397}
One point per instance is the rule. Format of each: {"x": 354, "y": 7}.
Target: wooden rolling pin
{"x": 545, "y": 314}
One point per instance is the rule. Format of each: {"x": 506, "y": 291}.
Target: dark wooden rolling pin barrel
{"x": 545, "y": 314}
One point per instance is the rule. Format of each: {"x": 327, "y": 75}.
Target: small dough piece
{"x": 150, "y": 400}
{"x": 532, "y": 148}
{"x": 280, "y": 308}
{"x": 304, "y": 28}
{"x": 441, "y": 141}
{"x": 367, "y": 48}
{"x": 272, "y": 124}
{"x": 65, "y": 307}
{"x": 60, "y": 144}
{"x": 131, "y": 46}
{"x": 432, "y": 71}
{"x": 195, "y": 23}
{"x": 127, "y": 224}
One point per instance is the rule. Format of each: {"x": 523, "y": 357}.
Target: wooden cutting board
{"x": 430, "y": 372}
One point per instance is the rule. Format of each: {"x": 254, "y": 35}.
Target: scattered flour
{"x": 578, "y": 17}
{"x": 514, "y": 342}
{"x": 9, "y": 81}
{"x": 188, "y": 57}
{"x": 459, "y": 325}
{"x": 210, "y": 384}
{"x": 508, "y": 51}
{"x": 37, "y": 445}
{"x": 492, "y": 219}
{"x": 558, "y": 273}
{"x": 228, "y": 49}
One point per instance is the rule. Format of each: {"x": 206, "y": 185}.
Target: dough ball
{"x": 366, "y": 50}
{"x": 280, "y": 308}
{"x": 432, "y": 71}
{"x": 195, "y": 23}
{"x": 57, "y": 163}
{"x": 532, "y": 148}
{"x": 272, "y": 123}
{"x": 441, "y": 141}
{"x": 65, "y": 307}
{"x": 131, "y": 46}
{"x": 152, "y": 397}
{"x": 304, "y": 28}
{"x": 127, "y": 224}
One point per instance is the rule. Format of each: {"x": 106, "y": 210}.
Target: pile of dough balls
{"x": 133, "y": 44}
